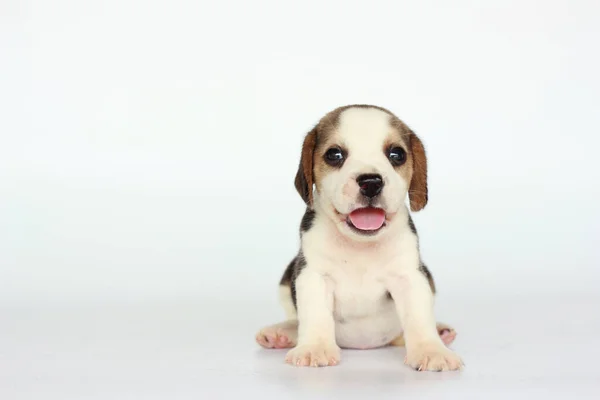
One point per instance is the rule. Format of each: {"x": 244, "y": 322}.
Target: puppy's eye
{"x": 397, "y": 156}
{"x": 334, "y": 156}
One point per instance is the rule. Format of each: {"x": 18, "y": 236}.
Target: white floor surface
{"x": 204, "y": 349}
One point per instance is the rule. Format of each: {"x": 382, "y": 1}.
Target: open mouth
{"x": 367, "y": 220}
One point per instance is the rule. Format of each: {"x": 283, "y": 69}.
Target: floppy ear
{"x": 304, "y": 176}
{"x": 417, "y": 192}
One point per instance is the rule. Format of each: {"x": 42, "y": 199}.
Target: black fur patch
{"x": 286, "y": 279}
{"x": 425, "y": 271}
{"x": 299, "y": 264}
{"x": 412, "y": 226}
{"x": 307, "y": 220}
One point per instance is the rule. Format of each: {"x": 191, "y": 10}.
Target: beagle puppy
{"x": 358, "y": 280}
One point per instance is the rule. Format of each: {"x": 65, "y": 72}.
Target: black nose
{"x": 370, "y": 184}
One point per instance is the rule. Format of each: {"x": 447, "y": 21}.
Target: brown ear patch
{"x": 304, "y": 177}
{"x": 417, "y": 191}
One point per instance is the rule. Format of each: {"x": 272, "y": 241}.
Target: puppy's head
{"x": 363, "y": 162}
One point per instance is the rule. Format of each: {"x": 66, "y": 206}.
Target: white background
{"x": 147, "y": 157}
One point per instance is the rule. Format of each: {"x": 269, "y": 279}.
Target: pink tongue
{"x": 368, "y": 219}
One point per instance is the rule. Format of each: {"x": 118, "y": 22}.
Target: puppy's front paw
{"x": 314, "y": 355}
{"x": 432, "y": 357}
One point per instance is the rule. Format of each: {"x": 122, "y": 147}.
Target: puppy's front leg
{"x": 425, "y": 351}
{"x": 316, "y": 330}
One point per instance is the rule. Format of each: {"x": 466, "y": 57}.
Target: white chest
{"x": 357, "y": 295}
{"x": 365, "y": 315}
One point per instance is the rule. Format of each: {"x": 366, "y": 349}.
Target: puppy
{"x": 358, "y": 280}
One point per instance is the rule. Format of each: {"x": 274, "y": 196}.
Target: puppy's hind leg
{"x": 284, "y": 334}
{"x": 446, "y": 332}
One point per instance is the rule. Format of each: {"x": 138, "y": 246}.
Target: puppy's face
{"x": 363, "y": 161}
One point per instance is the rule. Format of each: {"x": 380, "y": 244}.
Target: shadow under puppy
{"x": 358, "y": 280}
